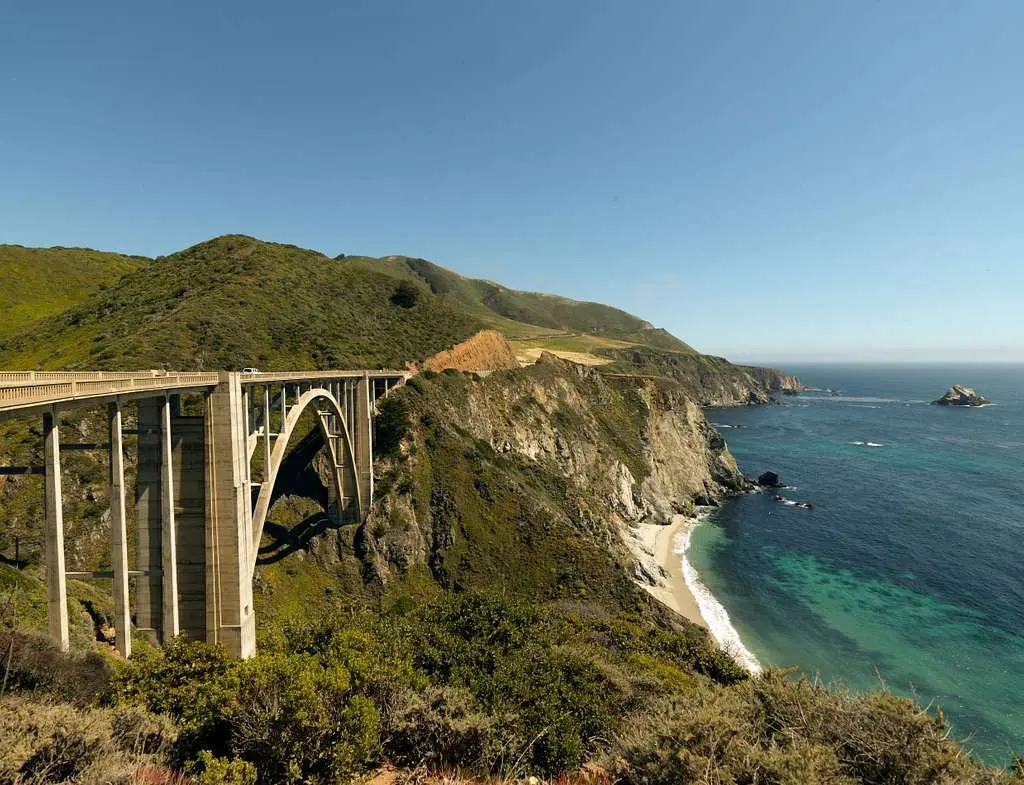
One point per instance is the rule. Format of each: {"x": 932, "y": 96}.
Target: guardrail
{"x": 18, "y": 378}
{"x": 32, "y": 394}
{"x": 33, "y": 388}
{"x": 289, "y": 376}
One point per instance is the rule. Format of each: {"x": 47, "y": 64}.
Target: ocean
{"x": 909, "y": 572}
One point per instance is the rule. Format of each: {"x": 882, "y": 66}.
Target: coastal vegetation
{"x": 479, "y": 684}
{"x": 485, "y": 622}
{"x": 41, "y": 282}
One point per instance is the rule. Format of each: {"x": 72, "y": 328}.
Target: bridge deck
{"x": 29, "y": 392}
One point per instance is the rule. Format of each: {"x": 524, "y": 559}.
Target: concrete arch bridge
{"x": 204, "y": 483}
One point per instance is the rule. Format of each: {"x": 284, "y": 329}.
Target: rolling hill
{"x": 41, "y": 282}
{"x": 235, "y": 301}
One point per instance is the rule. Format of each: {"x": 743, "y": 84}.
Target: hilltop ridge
{"x": 235, "y": 301}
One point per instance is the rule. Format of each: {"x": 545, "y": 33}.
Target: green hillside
{"x": 41, "y": 282}
{"x": 521, "y": 314}
{"x": 235, "y": 301}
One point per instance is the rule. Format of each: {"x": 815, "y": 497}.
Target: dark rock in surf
{"x": 769, "y": 480}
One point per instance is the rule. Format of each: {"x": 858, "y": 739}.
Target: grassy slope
{"x": 524, "y": 314}
{"x": 233, "y": 302}
{"x": 41, "y": 282}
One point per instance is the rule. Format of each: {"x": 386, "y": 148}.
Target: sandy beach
{"x": 659, "y": 542}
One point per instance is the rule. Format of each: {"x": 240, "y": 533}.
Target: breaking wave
{"x": 711, "y": 610}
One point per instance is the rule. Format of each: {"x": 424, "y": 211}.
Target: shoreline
{"x": 671, "y": 589}
{"x": 678, "y": 586}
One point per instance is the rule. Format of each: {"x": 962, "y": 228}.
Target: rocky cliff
{"x": 774, "y": 380}
{"x": 530, "y": 479}
{"x": 708, "y": 380}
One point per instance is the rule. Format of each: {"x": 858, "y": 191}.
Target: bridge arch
{"x": 339, "y": 446}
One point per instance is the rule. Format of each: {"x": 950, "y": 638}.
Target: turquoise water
{"x": 911, "y": 568}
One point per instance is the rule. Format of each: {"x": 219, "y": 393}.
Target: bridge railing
{"x": 290, "y": 376}
{"x": 42, "y": 393}
{"x": 18, "y": 378}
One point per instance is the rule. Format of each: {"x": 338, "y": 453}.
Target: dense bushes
{"x": 774, "y": 730}
{"x": 42, "y": 743}
{"x": 31, "y": 663}
{"x": 481, "y": 683}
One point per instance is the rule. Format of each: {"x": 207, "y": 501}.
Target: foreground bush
{"x": 773, "y": 730}
{"x": 42, "y": 743}
{"x": 31, "y": 663}
{"x": 474, "y": 682}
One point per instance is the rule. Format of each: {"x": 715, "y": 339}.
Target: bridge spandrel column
{"x": 230, "y": 620}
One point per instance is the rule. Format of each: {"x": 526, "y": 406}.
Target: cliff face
{"x": 531, "y": 478}
{"x": 708, "y": 380}
{"x": 487, "y": 350}
{"x": 774, "y": 380}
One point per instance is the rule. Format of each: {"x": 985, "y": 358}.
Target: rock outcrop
{"x": 707, "y": 380}
{"x": 774, "y": 380}
{"x": 487, "y": 350}
{"x": 521, "y": 465}
{"x": 769, "y": 480}
{"x": 958, "y": 395}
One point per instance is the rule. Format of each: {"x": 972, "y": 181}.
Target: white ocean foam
{"x": 874, "y": 444}
{"x": 711, "y": 610}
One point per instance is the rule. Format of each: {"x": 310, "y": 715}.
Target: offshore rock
{"x": 958, "y": 395}
{"x": 769, "y": 480}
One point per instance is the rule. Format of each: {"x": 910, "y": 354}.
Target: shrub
{"x": 192, "y": 682}
{"x": 442, "y": 727}
{"x": 222, "y": 771}
{"x": 554, "y": 701}
{"x": 406, "y": 295}
{"x": 56, "y": 743}
{"x": 36, "y": 665}
{"x": 296, "y": 719}
{"x": 773, "y": 730}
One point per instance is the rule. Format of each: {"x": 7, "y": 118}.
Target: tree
{"x": 406, "y": 295}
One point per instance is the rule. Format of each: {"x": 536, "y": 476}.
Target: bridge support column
{"x": 56, "y": 579}
{"x": 169, "y": 534}
{"x": 230, "y": 619}
{"x": 189, "y": 460}
{"x": 362, "y": 434}
{"x": 148, "y": 514}
{"x": 119, "y": 533}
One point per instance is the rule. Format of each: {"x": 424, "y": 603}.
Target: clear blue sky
{"x": 768, "y": 180}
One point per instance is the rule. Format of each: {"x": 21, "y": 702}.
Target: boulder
{"x": 958, "y": 395}
{"x": 769, "y": 480}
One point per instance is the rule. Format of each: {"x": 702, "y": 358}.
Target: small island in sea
{"x": 958, "y": 395}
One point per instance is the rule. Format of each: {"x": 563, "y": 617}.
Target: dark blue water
{"x": 911, "y": 567}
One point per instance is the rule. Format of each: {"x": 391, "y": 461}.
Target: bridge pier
{"x": 362, "y": 433}
{"x": 169, "y": 536}
{"x": 230, "y": 619}
{"x": 56, "y": 577}
{"x": 119, "y": 532}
